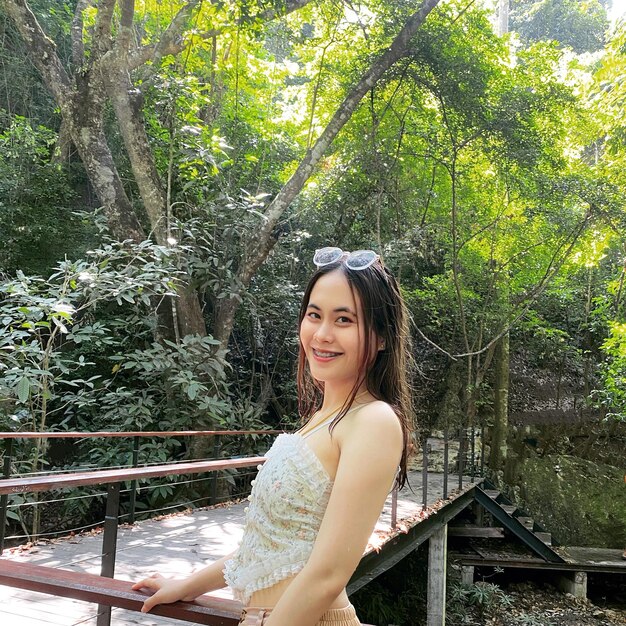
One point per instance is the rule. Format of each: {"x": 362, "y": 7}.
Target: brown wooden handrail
{"x": 140, "y": 433}
{"x": 98, "y": 477}
{"x": 206, "y": 609}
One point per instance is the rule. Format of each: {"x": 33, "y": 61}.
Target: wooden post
{"x": 425, "y": 472}
{"x": 437, "y": 553}
{"x": 109, "y": 546}
{"x": 133, "y": 483}
{"x": 445, "y": 463}
{"x": 4, "y": 499}
{"x": 217, "y": 446}
{"x": 467, "y": 575}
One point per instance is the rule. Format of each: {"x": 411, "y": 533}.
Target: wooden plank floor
{"x": 174, "y": 546}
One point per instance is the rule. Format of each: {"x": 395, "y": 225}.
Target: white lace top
{"x": 287, "y": 504}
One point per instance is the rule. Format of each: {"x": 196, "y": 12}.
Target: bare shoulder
{"x": 375, "y": 421}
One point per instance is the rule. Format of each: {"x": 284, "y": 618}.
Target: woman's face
{"x": 331, "y": 331}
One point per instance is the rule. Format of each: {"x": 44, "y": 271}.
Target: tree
{"x": 578, "y": 25}
{"x": 104, "y": 56}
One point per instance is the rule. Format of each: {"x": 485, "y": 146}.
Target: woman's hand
{"x": 166, "y": 590}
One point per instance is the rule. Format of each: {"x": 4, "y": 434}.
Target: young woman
{"x": 316, "y": 500}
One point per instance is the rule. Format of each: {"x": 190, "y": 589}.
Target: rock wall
{"x": 582, "y": 503}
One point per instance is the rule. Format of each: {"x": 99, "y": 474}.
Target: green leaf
{"x": 23, "y": 389}
{"x": 192, "y": 391}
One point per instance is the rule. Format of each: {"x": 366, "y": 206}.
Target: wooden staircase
{"x": 517, "y": 522}
{"x": 521, "y": 516}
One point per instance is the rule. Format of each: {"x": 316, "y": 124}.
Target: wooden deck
{"x": 576, "y": 558}
{"x": 175, "y": 546}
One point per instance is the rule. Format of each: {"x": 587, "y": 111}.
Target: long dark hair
{"x": 386, "y": 378}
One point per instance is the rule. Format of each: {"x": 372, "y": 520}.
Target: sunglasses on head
{"x": 358, "y": 260}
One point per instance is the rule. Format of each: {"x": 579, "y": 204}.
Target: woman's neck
{"x": 336, "y": 396}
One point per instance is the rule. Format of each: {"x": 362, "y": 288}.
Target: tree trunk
{"x": 503, "y": 17}
{"x": 98, "y": 161}
{"x": 127, "y": 103}
{"x": 498, "y": 455}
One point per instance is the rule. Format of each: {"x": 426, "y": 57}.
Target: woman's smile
{"x": 324, "y": 356}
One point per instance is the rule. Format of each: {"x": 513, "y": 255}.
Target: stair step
{"x": 528, "y": 522}
{"x": 483, "y": 532}
{"x": 545, "y": 537}
{"x": 492, "y": 493}
{"x": 509, "y": 508}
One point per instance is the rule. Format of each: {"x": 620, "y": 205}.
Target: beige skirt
{"x": 254, "y": 616}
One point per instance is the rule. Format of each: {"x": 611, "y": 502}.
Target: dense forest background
{"x": 167, "y": 170}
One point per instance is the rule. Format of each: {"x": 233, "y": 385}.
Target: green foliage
{"x": 487, "y": 600}
{"x": 54, "y": 350}
{"x": 612, "y": 395}
{"x": 38, "y": 218}
{"x": 578, "y": 24}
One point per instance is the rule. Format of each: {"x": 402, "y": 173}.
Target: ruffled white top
{"x": 287, "y": 504}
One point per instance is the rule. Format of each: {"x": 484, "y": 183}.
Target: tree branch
{"x": 126, "y": 25}
{"x": 102, "y": 37}
{"x": 294, "y": 185}
{"x": 264, "y": 239}
{"x": 78, "y": 46}
{"x": 552, "y": 269}
{"x": 42, "y": 50}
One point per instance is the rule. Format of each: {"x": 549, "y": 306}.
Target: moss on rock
{"x": 581, "y": 503}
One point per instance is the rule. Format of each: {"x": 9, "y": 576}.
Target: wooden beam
{"x": 476, "y": 531}
{"x": 131, "y": 433}
{"x": 208, "y": 610}
{"x": 74, "y": 479}
{"x": 376, "y": 562}
{"x": 437, "y": 558}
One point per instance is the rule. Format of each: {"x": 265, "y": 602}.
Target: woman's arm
{"x": 169, "y": 590}
{"x": 370, "y": 449}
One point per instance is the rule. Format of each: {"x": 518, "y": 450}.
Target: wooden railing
{"x": 113, "y": 480}
{"x": 136, "y": 436}
{"x": 469, "y": 463}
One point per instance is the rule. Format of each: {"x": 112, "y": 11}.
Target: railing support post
{"x": 109, "y": 545}
{"x": 425, "y": 471}
{"x": 472, "y": 452}
{"x": 445, "y": 462}
{"x": 482, "y": 451}
{"x": 4, "y": 500}
{"x": 461, "y": 456}
{"x": 394, "y": 508}
{"x": 217, "y": 450}
{"x": 133, "y": 484}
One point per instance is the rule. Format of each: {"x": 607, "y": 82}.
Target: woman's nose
{"x": 324, "y": 332}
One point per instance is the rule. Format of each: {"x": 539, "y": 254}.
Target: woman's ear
{"x": 381, "y": 344}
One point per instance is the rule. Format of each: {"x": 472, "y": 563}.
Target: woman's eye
{"x": 314, "y": 315}
{"x": 344, "y": 320}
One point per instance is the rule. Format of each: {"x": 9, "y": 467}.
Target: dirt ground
{"x": 530, "y": 604}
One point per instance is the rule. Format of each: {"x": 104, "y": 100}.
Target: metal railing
{"x": 469, "y": 463}
{"x": 136, "y": 436}
{"x": 113, "y": 478}
{"x": 470, "y": 457}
